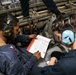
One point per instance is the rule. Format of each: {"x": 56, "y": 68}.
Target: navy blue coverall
{"x": 65, "y": 66}
{"x": 50, "y": 4}
{"x": 13, "y": 62}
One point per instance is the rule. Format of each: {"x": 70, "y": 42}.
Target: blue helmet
{"x": 68, "y": 37}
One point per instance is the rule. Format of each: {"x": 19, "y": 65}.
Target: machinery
{"x": 39, "y": 14}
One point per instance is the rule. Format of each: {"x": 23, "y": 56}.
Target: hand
{"x": 74, "y": 44}
{"x": 52, "y": 61}
{"x": 37, "y": 54}
{"x": 32, "y": 36}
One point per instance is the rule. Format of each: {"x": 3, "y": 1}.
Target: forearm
{"x": 22, "y": 38}
{"x": 52, "y": 61}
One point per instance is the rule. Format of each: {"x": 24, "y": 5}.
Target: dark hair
{"x": 7, "y": 19}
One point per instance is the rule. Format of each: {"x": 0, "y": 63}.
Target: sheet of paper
{"x": 40, "y": 44}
